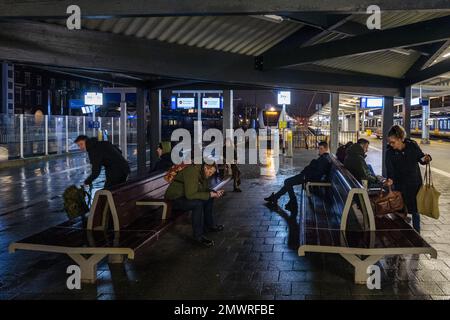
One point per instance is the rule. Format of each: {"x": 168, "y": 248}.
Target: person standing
{"x": 104, "y": 154}
{"x": 403, "y": 156}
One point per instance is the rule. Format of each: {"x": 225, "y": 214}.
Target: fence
{"x": 306, "y": 139}
{"x": 24, "y": 136}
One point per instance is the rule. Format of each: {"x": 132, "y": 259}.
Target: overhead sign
{"x": 284, "y": 97}
{"x": 186, "y": 103}
{"x": 87, "y": 110}
{"x": 76, "y": 103}
{"x": 415, "y": 101}
{"x": 93, "y": 99}
{"x": 371, "y": 103}
{"x": 211, "y": 103}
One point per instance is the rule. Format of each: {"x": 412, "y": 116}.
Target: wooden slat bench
{"x": 118, "y": 225}
{"x": 338, "y": 218}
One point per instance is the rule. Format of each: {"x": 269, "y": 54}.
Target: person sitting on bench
{"x": 355, "y": 163}
{"x": 314, "y": 172}
{"x": 190, "y": 190}
{"x": 104, "y": 154}
{"x": 164, "y": 162}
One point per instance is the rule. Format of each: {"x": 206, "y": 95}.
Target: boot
{"x": 272, "y": 199}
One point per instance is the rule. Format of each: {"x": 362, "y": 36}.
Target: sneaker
{"x": 272, "y": 199}
{"x": 237, "y": 190}
{"x": 205, "y": 242}
{"x": 216, "y": 228}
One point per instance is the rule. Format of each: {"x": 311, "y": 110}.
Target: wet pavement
{"x": 254, "y": 258}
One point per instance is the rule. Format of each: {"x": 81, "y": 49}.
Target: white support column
{"x": 46, "y": 134}
{"x": 123, "y": 126}
{"x": 357, "y": 121}
{"x": 334, "y": 122}
{"x": 99, "y": 130}
{"x": 21, "y": 135}
{"x": 227, "y": 110}
{"x": 425, "y": 117}
{"x": 112, "y": 130}
{"x": 67, "y": 133}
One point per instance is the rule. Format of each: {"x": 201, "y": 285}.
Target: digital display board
{"x": 284, "y": 97}
{"x": 371, "y": 103}
{"x": 211, "y": 103}
{"x": 93, "y": 99}
{"x": 186, "y": 103}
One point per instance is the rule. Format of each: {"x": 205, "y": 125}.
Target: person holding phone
{"x": 190, "y": 190}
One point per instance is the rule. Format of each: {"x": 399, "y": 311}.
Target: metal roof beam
{"x": 404, "y": 36}
{"x": 428, "y": 73}
{"x": 53, "y": 45}
{"x": 130, "y": 8}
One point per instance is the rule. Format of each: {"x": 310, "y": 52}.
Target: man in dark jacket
{"x": 355, "y": 162}
{"x": 104, "y": 154}
{"x": 316, "y": 171}
{"x": 164, "y": 162}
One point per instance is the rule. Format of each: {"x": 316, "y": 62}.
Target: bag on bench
{"x": 388, "y": 202}
{"x": 75, "y": 203}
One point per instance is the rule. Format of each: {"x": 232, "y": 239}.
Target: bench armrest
{"x": 315, "y": 184}
{"x": 156, "y": 202}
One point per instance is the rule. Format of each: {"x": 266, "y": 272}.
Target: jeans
{"x": 289, "y": 184}
{"x": 202, "y": 213}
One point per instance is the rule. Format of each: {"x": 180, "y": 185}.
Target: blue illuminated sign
{"x": 371, "y": 103}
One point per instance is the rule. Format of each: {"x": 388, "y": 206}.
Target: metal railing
{"x": 23, "y": 136}
{"x": 307, "y": 139}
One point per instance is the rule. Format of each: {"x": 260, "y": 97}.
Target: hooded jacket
{"x": 355, "y": 163}
{"x": 105, "y": 154}
{"x": 165, "y": 161}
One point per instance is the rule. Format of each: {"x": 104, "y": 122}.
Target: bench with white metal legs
{"x": 339, "y": 219}
{"x": 132, "y": 228}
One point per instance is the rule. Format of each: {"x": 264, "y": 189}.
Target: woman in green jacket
{"x": 190, "y": 190}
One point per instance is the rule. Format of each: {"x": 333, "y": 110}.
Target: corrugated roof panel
{"x": 121, "y": 25}
{"x": 392, "y": 19}
{"x": 270, "y": 41}
{"x": 237, "y": 34}
{"x": 244, "y": 34}
{"x": 385, "y": 63}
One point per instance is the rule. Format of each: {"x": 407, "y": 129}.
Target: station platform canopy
{"x": 308, "y": 45}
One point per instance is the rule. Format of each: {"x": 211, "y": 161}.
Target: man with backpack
{"x": 104, "y": 154}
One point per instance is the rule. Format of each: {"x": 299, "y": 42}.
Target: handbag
{"x": 173, "y": 171}
{"x": 388, "y": 202}
{"x": 428, "y": 197}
